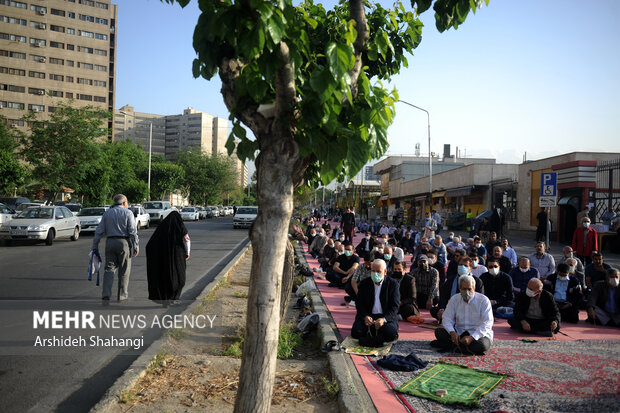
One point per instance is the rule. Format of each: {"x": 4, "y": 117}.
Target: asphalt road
{"x": 58, "y": 274}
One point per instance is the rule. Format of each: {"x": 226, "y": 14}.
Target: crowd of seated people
{"x": 394, "y": 271}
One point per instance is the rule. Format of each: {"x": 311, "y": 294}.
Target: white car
{"x": 245, "y": 216}
{"x": 43, "y": 223}
{"x": 90, "y": 218}
{"x": 190, "y": 214}
{"x": 158, "y": 210}
{"x": 5, "y": 214}
{"x": 143, "y": 219}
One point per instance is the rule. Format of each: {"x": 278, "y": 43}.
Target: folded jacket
{"x": 402, "y": 363}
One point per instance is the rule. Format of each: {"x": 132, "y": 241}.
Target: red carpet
{"x": 383, "y": 397}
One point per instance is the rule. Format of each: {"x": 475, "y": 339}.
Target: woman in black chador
{"x": 166, "y": 254}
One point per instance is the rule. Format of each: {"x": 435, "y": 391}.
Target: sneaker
{"x": 352, "y": 303}
{"x": 105, "y": 301}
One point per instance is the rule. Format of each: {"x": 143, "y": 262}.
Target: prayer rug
{"x": 352, "y": 346}
{"x": 463, "y": 385}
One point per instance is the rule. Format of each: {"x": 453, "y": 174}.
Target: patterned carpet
{"x": 547, "y": 376}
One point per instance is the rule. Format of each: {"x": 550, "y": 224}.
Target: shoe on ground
{"x": 105, "y": 301}
{"x": 352, "y": 303}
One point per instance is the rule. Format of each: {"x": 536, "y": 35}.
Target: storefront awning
{"x": 439, "y": 194}
{"x": 463, "y": 191}
{"x": 420, "y": 198}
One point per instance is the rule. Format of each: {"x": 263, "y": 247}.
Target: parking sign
{"x": 548, "y": 184}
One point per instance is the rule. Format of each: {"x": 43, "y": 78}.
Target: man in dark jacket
{"x": 364, "y": 248}
{"x": 536, "y": 311}
{"x": 497, "y": 286}
{"x": 407, "y": 287}
{"x": 449, "y": 287}
{"x": 377, "y": 317}
{"x": 566, "y": 291}
{"x": 604, "y": 302}
{"x": 348, "y": 225}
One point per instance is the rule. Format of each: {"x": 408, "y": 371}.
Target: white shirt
{"x": 376, "y": 307}
{"x": 479, "y": 270}
{"x": 437, "y": 218}
{"x": 384, "y": 230}
{"x": 475, "y": 316}
{"x": 399, "y": 254}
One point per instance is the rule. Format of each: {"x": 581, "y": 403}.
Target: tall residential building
{"x": 56, "y": 50}
{"x": 172, "y": 134}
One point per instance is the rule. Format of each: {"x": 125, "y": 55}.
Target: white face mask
{"x": 563, "y": 278}
{"x": 586, "y": 224}
{"x": 530, "y": 293}
{"x": 493, "y": 271}
{"x": 613, "y": 282}
{"x": 523, "y": 269}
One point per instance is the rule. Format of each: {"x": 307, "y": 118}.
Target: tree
{"x": 307, "y": 83}
{"x": 61, "y": 151}
{"x": 207, "y": 177}
{"x": 12, "y": 173}
{"x": 165, "y": 178}
{"x": 128, "y": 170}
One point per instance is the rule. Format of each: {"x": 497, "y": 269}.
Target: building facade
{"x": 56, "y": 51}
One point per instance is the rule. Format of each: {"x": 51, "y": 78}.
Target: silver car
{"x": 43, "y": 223}
{"x": 90, "y": 218}
{"x": 5, "y": 214}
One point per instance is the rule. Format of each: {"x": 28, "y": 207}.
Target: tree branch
{"x": 286, "y": 95}
{"x": 358, "y": 14}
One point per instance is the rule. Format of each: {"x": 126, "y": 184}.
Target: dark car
{"x": 480, "y": 222}
{"x": 13, "y": 202}
{"x": 456, "y": 220}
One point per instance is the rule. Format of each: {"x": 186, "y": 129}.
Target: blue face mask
{"x": 387, "y": 256}
{"x": 348, "y": 253}
{"x": 376, "y": 277}
{"x": 462, "y": 270}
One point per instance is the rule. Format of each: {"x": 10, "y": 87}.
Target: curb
{"x": 353, "y": 396}
{"x": 139, "y": 367}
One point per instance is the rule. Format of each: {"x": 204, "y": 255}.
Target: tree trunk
{"x": 287, "y": 278}
{"x": 275, "y": 165}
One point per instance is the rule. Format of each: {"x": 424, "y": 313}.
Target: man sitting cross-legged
{"x": 604, "y": 302}
{"x": 378, "y": 300}
{"x": 536, "y": 311}
{"x": 467, "y": 322}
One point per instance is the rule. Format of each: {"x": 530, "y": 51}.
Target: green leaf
{"x": 340, "y": 58}
{"x": 246, "y": 149}
{"x": 230, "y": 144}
{"x": 265, "y": 10}
{"x": 421, "y": 5}
{"x": 275, "y": 29}
{"x": 238, "y": 131}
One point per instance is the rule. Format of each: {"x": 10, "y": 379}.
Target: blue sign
{"x": 548, "y": 184}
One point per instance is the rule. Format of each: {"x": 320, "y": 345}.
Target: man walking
{"x": 119, "y": 225}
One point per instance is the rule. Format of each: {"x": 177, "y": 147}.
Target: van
{"x": 158, "y": 210}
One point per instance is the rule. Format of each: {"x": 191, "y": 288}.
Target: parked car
{"x": 456, "y": 220}
{"x": 189, "y": 214}
{"x": 245, "y": 216}
{"x": 202, "y": 212}
{"x": 143, "y": 219}
{"x": 216, "y": 211}
{"x": 42, "y": 223}
{"x": 90, "y": 218}
{"x": 25, "y": 206}
{"x": 209, "y": 211}
{"x": 75, "y": 208}
{"x": 13, "y": 202}
{"x": 229, "y": 210}
{"x": 158, "y": 210}
{"x": 5, "y": 213}
{"x": 477, "y": 223}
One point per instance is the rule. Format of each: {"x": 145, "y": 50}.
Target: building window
{"x": 60, "y": 78}
{"x": 70, "y": 63}
{"x": 101, "y": 21}
{"x": 84, "y": 65}
{"x": 36, "y": 108}
{"x": 12, "y": 20}
{"x": 102, "y": 5}
{"x": 71, "y": 15}
{"x": 69, "y": 79}
{"x": 11, "y": 3}
{"x": 99, "y": 99}
{"x": 37, "y": 42}
{"x": 70, "y": 46}
{"x": 70, "y": 30}
{"x": 55, "y": 28}
{"x": 57, "y": 12}
{"x": 15, "y": 105}
{"x": 16, "y": 55}
{"x": 100, "y": 83}
{"x": 12, "y": 88}
{"x": 56, "y": 61}
{"x": 38, "y": 9}
{"x": 88, "y": 2}
{"x": 57, "y": 45}
{"x": 101, "y": 68}
{"x": 86, "y": 18}
{"x": 85, "y": 97}
{"x": 51, "y": 108}
{"x": 101, "y": 52}
{"x": 85, "y": 49}
{"x": 12, "y": 71}
{"x": 36, "y": 91}
{"x": 13, "y": 37}
{"x": 83, "y": 81}
{"x": 100, "y": 36}
{"x": 38, "y": 25}
{"x": 56, "y": 93}
{"x": 84, "y": 33}
{"x": 35, "y": 74}
{"x": 69, "y": 95}
{"x": 37, "y": 58}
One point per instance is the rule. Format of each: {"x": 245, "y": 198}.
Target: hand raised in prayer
{"x": 526, "y": 326}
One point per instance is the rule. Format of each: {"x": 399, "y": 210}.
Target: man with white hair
{"x": 377, "y": 304}
{"x": 467, "y": 322}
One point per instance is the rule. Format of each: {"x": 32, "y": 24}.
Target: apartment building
{"x": 172, "y": 134}
{"x": 55, "y": 50}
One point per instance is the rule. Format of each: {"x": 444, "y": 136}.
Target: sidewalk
{"x": 558, "y": 359}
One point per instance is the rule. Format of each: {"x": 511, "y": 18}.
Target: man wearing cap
{"x": 119, "y": 226}
{"x": 427, "y": 283}
{"x": 378, "y": 301}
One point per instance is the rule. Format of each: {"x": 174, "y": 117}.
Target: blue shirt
{"x": 610, "y": 305}
{"x": 561, "y": 288}
{"x": 520, "y": 279}
{"x": 117, "y": 222}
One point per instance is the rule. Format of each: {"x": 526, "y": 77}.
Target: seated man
{"x": 318, "y": 244}
{"x": 522, "y": 274}
{"x": 361, "y": 273}
{"x": 389, "y": 258}
{"x": 604, "y": 302}
{"x": 343, "y": 268}
{"x": 509, "y": 252}
{"x": 433, "y": 261}
{"x": 492, "y": 242}
{"x": 504, "y": 262}
{"x": 407, "y": 243}
{"x": 597, "y": 270}
{"x": 573, "y": 269}
{"x": 426, "y": 283}
{"x": 453, "y": 264}
{"x": 364, "y": 248}
{"x": 567, "y": 253}
{"x": 378, "y": 300}
{"x": 467, "y": 322}
{"x": 542, "y": 261}
{"x": 398, "y": 252}
{"x": 407, "y": 287}
{"x": 566, "y": 292}
{"x": 450, "y": 286}
{"x": 497, "y": 286}
{"x": 477, "y": 268}
{"x": 535, "y": 311}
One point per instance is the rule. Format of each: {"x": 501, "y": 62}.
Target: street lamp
{"x": 150, "y": 144}
{"x": 430, "y": 154}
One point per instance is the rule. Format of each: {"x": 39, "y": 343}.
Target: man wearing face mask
{"x": 535, "y": 311}
{"x": 542, "y": 261}
{"x": 467, "y": 324}
{"x": 522, "y": 274}
{"x": 450, "y": 286}
{"x": 426, "y": 283}
{"x": 567, "y": 253}
{"x": 365, "y": 247}
{"x": 389, "y": 258}
{"x": 311, "y": 236}
{"x": 378, "y": 301}
{"x": 439, "y": 246}
{"x": 497, "y": 286}
{"x": 407, "y": 288}
{"x": 361, "y": 273}
{"x": 344, "y": 267}
{"x": 477, "y": 269}
{"x": 585, "y": 241}
{"x": 566, "y": 292}
{"x": 318, "y": 243}
{"x": 604, "y": 302}
{"x": 504, "y": 263}
{"x": 434, "y": 263}
{"x": 480, "y": 249}
{"x": 429, "y": 226}
{"x": 328, "y": 251}
{"x": 572, "y": 270}
{"x": 454, "y": 262}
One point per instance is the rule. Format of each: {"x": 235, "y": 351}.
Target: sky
{"x": 535, "y": 78}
